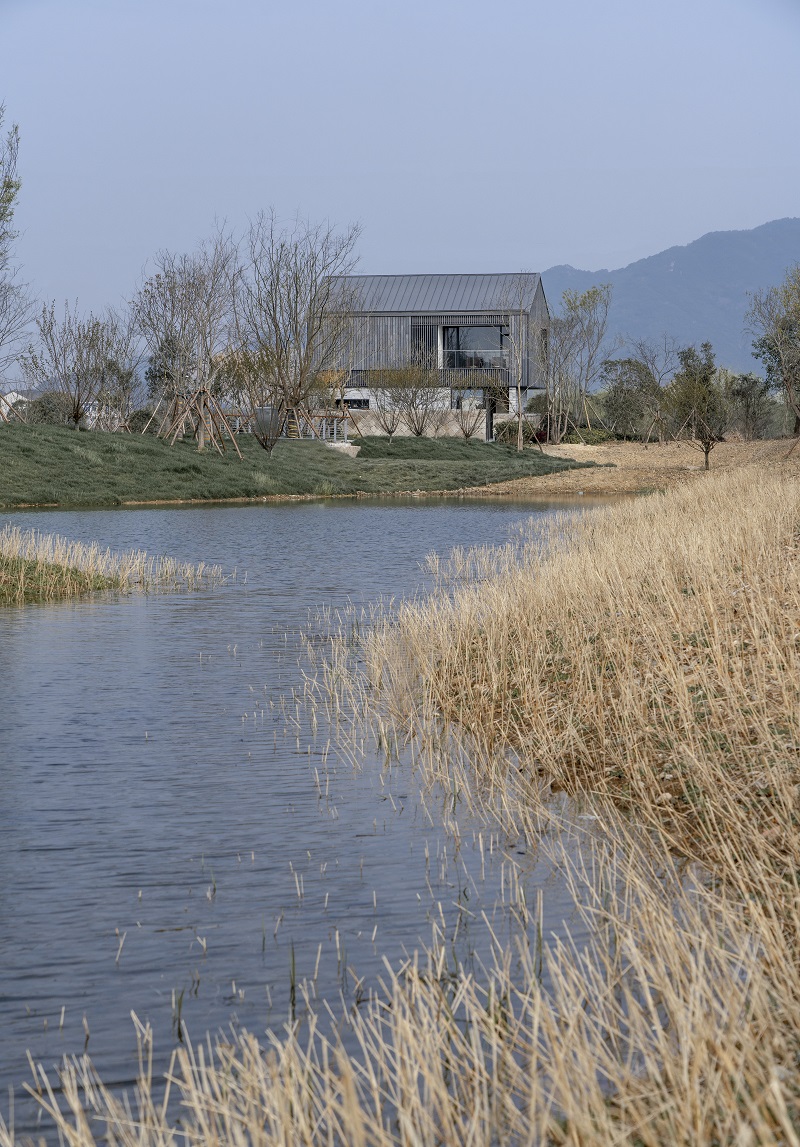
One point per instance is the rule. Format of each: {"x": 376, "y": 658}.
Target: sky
{"x": 462, "y": 136}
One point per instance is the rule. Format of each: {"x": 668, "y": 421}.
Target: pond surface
{"x": 166, "y": 839}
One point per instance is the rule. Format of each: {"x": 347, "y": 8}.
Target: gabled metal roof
{"x": 421, "y": 294}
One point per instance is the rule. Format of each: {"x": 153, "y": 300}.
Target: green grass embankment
{"x": 58, "y": 466}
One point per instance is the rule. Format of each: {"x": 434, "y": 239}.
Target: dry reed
{"x": 660, "y": 1030}
{"x": 648, "y": 653}
{"x": 42, "y": 567}
{"x": 644, "y": 658}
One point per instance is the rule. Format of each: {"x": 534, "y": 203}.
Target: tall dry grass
{"x": 645, "y": 659}
{"x": 661, "y": 1030}
{"x": 42, "y": 567}
{"x": 648, "y": 653}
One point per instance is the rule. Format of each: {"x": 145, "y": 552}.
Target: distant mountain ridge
{"x": 697, "y": 292}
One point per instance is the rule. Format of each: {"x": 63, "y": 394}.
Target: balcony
{"x": 473, "y": 378}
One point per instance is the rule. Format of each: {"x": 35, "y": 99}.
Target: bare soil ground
{"x": 629, "y": 468}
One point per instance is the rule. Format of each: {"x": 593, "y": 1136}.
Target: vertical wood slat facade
{"x": 387, "y": 341}
{"x": 382, "y": 342}
{"x": 400, "y": 318}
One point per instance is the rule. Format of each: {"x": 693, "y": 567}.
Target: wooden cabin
{"x": 484, "y": 335}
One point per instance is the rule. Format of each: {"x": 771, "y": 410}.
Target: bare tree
{"x": 469, "y": 412}
{"x": 383, "y": 403}
{"x": 88, "y": 360}
{"x": 9, "y": 188}
{"x": 634, "y": 387}
{"x": 659, "y": 357}
{"x": 521, "y": 335}
{"x": 558, "y": 354}
{"x": 120, "y": 386}
{"x": 248, "y": 382}
{"x": 165, "y": 370}
{"x": 751, "y": 402}
{"x": 15, "y": 304}
{"x": 697, "y": 400}
{"x": 774, "y": 319}
{"x": 589, "y": 311}
{"x": 574, "y": 352}
{"x": 15, "y": 314}
{"x": 186, "y": 306}
{"x": 294, "y": 306}
{"x": 630, "y": 394}
{"x": 420, "y": 397}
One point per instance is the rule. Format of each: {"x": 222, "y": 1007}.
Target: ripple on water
{"x": 161, "y": 829}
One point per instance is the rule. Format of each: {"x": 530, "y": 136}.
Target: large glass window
{"x": 475, "y": 346}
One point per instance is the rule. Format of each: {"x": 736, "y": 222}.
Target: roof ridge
{"x": 441, "y": 293}
{"x": 436, "y": 274}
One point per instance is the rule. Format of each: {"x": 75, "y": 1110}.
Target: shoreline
{"x": 465, "y": 492}
{"x": 619, "y": 469}
{"x": 634, "y": 468}
{"x": 648, "y": 669}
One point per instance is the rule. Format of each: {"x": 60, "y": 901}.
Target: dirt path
{"x": 632, "y": 468}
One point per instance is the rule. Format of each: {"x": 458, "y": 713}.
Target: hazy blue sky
{"x": 463, "y": 136}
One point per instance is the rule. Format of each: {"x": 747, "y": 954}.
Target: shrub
{"x": 506, "y": 432}
{"x": 49, "y": 409}
{"x": 139, "y": 420}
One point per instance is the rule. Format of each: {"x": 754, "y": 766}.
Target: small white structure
{"x": 12, "y": 405}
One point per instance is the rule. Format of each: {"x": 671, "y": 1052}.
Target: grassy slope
{"x": 46, "y": 465}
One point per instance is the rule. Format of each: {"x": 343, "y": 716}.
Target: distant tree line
{"x": 258, "y": 323}
{"x": 261, "y": 322}
{"x": 265, "y": 322}
{"x": 665, "y": 392}
{"x": 657, "y": 390}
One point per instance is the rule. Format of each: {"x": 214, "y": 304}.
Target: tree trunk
{"x": 201, "y": 425}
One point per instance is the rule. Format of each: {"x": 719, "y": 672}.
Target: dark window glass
{"x": 450, "y": 338}
{"x": 472, "y": 347}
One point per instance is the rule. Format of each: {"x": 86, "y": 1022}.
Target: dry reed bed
{"x": 649, "y": 652}
{"x": 42, "y": 567}
{"x": 662, "y": 1030}
{"x": 645, "y": 658}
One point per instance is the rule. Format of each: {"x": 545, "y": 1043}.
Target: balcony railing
{"x": 473, "y": 378}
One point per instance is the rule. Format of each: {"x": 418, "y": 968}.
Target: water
{"x": 165, "y": 839}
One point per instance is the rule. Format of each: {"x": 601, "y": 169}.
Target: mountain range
{"x": 697, "y": 293}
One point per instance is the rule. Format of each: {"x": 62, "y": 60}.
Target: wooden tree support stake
{"x": 200, "y": 413}
{"x": 8, "y": 413}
